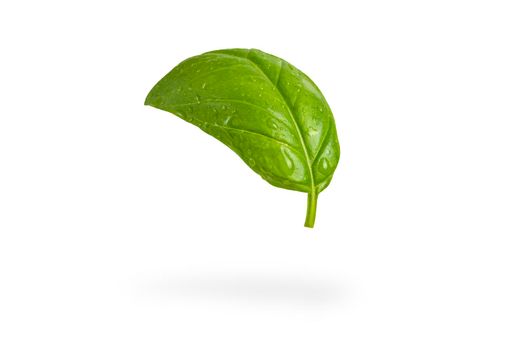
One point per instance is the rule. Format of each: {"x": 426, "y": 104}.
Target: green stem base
{"x": 311, "y": 209}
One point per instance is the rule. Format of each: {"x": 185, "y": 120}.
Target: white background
{"x": 123, "y": 227}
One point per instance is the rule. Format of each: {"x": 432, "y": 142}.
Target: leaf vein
{"x": 254, "y": 133}
{"x": 321, "y": 145}
{"x": 288, "y": 107}
{"x": 299, "y": 131}
{"x": 278, "y": 75}
{"x": 265, "y": 109}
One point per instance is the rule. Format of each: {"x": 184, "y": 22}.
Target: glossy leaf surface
{"x": 263, "y": 108}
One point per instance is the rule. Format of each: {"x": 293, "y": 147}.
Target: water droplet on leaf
{"x": 324, "y": 165}
{"x": 312, "y": 131}
{"x": 272, "y": 124}
{"x": 290, "y": 166}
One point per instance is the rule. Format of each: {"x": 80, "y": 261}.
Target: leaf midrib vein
{"x": 286, "y": 103}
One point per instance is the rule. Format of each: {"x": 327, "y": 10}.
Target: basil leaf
{"x": 263, "y": 108}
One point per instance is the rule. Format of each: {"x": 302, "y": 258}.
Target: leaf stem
{"x": 311, "y": 209}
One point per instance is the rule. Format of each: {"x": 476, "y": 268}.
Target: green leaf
{"x": 263, "y": 108}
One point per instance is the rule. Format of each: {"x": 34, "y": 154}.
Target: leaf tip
{"x": 147, "y": 101}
